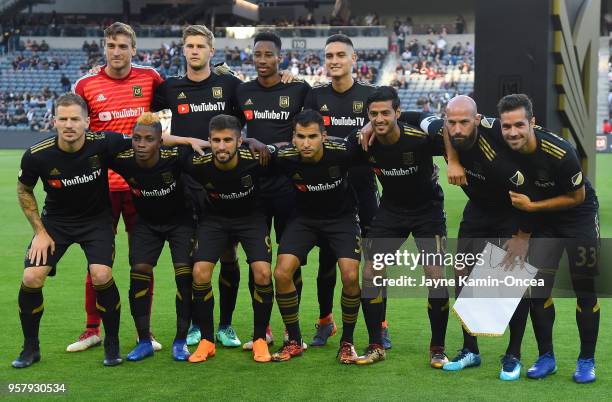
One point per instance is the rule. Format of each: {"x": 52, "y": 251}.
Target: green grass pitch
{"x": 232, "y": 374}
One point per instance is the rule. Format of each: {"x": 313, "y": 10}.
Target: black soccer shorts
{"x": 215, "y": 231}
{"x": 95, "y": 236}
{"x": 575, "y": 231}
{"x": 480, "y": 225}
{"x": 364, "y": 182}
{"x": 147, "y": 240}
{"x": 279, "y": 205}
{"x": 341, "y": 234}
{"x": 427, "y": 225}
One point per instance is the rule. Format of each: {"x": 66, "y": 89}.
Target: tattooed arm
{"x": 41, "y": 242}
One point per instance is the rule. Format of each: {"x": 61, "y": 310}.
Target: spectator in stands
{"x": 85, "y": 46}
{"x": 459, "y": 24}
{"x": 607, "y": 127}
{"x": 47, "y": 121}
{"x": 469, "y": 49}
{"x": 406, "y": 27}
{"x": 20, "y": 117}
{"x": 65, "y": 81}
{"x": 423, "y": 104}
{"x": 93, "y": 47}
{"x": 44, "y": 46}
{"x": 441, "y": 45}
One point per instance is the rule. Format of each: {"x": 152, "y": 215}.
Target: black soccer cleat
{"x": 112, "y": 355}
{"x": 27, "y": 357}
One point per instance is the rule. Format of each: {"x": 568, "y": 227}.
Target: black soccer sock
{"x": 251, "y": 283}
{"x": 517, "y": 328}
{"x": 587, "y": 319}
{"x": 229, "y": 280}
{"x": 350, "y": 311}
{"x": 31, "y": 308}
{"x": 140, "y": 300}
{"x": 203, "y": 308}
{"x": 470, "y": 342}
{"x": 437, "y": 310}
{"x": 297, "y": 282}
{"x": 542, "y": 319}
{"x": 262, "y": 301}
{"x": 289, "y": 309}
{"x": 372, "y": 313}
{"x": 108, "y": 303}
{"x": 183, "y": 278}
{"x": 326, "y": 282}
{"x": 383, "y": 314}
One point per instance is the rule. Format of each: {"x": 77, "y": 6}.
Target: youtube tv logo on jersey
{"x": 326, "y": 120}
{"x": 183, "y": 108}
{"x": 248, "y": 114}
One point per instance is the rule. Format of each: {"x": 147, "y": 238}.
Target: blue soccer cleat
{"x": 544, "y": 366}
{"x": 511, "y": 368}
{"x": 180, "y": 353}
{"x": 142, "y": 350}
{"x": 585, "y": 371}
{"x": 324, "y": 331}
{"x": 464, "y": 359}
{"x": 27, "y": 357}
{"x": 386, "y": 341}
{"x": 194, "y": 336}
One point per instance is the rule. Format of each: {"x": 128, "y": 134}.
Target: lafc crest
{"x": 408, "y": 158}
{"x": 357, "y": 106}
{"x": 94, "y": 162}
{"x": 283, "y": 101}
{"x": 246, "y": 181}
{"x": 217, "y": 92}
{"x": 167, "y": 177}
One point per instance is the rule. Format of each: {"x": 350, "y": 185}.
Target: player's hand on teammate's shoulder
{"x": 286, "y": 76}
{"x": 42, "y": 243}
{"x": 456, "y": 174}
{"x": 258, "y": 147}
{"x": 94, "y": 69}
{"x": 366, "y": 136}
{"x": 521, "y": 201}
{"x": 198, "y": 145}
{"x": 221, "y": 69}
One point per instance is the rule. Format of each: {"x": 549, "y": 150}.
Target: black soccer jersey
{"x": 490, "y": 169}
{"x": 193, "y": 103}
{"x": 157, "y": 192}
{"x": 269, "y": 112}
{"x": 342, "y": 112}
{"x": 76, "y": 183}
{"x": 553, "y": 169}
{"x": 228, "y": 192}
{"x": 322, "y": 188}
{"x": 405, "y": 169}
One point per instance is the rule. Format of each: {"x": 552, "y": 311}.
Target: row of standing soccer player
{"x": 275, "y": 98}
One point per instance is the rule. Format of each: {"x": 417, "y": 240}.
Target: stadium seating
{"x": 414, "y": 89}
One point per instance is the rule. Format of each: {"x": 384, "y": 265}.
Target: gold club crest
{"x": 167, "y": 177}
{"x": 357, "y": 106}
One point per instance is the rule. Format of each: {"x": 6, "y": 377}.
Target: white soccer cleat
{"x": 87, "y": 340}
{"x": 156, "y": 345}
{"x": 269, "y": 340}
